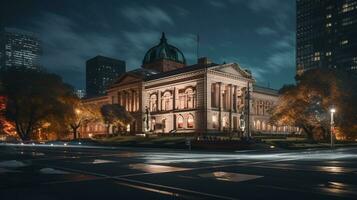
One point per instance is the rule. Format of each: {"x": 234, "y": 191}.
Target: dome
{"x": 164, "y": 51}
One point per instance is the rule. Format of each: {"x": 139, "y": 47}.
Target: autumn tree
{"x": 81, "y": 114}
{"x": 33, "y": 98}
{"x": 115, "y": 114}
{"x": 307, "y": 103}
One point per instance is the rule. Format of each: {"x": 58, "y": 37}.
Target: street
{"x": 32, "y": 172}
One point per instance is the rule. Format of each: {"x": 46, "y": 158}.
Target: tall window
{"x": 179, "y": 121}
{"x": 225, "y": 122}
{"x": 153, "y": 102}
{"x": 213, "y": 96}
{"x": 153, "y": 123}
{"x": 190, "y": 97}
{"x": 190, "y": 121}
{"x": 214, "y": 121}
{"x": 187, "y": 98}
{"x": 166, "y": 101}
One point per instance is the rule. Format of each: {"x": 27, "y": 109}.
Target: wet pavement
{"x": 55, "y": 172}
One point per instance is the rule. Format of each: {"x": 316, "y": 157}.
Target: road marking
{"x": 154, "y": 169}
{"x": 328, "y": 169}
{"x": 178, "y": 189}
{"x": 53, "y": 171}
{"x": 229, "y": 176}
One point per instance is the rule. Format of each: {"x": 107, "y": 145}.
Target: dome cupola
{"x": 164, "y": 53}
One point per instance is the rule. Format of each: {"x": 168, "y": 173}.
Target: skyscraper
{"x": 100, "y": 73}
{"x": 19, "y": 49}
{"x": 326, "y": 34}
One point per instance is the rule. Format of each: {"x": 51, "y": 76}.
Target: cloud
{"x": 266, "y": 31}
{"x": 142, "y": 15}
{"x": 182, "y": 12}
{"x": 261, "y": 5}
{"x": 217, "y": 4}
{"x": 283, "y": 55}
{"x": 281, "y": 60}
{"x": 140, "y": 42}
{"x": 65, "y": 50}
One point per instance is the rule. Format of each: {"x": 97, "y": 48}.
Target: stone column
{"x": 220, "y": 103}
{"x": 137, "y": 100}
{"x": 132, "y": 100}
{"x": 220, "y": 97}
{"x": 174, "y": 99}
{"x": 231, "y": 107}
{"x": 119, "y": 98}
{"x": 158, "y": 100}
{"x": 235, "y": 98}
{"x": 124, "y": 100}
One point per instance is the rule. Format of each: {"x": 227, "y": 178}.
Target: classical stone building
{"x": 167, "y": 96}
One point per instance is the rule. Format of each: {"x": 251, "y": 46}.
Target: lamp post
{"x": 332, "y": 111}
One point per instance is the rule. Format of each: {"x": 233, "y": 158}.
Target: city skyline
{"x": 253, "y": 34}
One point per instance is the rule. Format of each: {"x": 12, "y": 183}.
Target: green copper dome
{"x": 164, "y": 51}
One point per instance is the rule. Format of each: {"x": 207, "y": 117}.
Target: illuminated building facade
{"x": 19, "y": 49}
{"x": 167, "y": 96}
{"x": 326, "y": 34}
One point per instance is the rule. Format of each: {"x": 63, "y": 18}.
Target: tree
{"x": 115, "y": 114}
{"x": 34, "y": 98}
{"x": 307, "y": 103}
{"x": 81, "y": 114}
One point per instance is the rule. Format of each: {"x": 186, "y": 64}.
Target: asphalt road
{"x": 30, "y": 172}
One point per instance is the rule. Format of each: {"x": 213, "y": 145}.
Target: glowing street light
{"x": 332, "y": 111}
{"x": 77, "y": 111}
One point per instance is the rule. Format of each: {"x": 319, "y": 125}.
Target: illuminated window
{"x": 328, "y": 53}
{"x": 190, "y": 121}
{"x": 225, "y": 122}
{"x": 166, "y": 101}
{"x": 343, "y": 42}
{"x": 190, "y": 97}
{"x": 153, "y": 123}
{"x": 179, "y": 121}
{"x": 258, "y": 125}
{"x": 153, "y": 102}
{"x": 328, "y": 25}
{"x": 214, "y": 121}
{"x": 328, "y": 16}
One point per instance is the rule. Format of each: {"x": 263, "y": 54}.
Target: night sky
{"x": 257, "y": 34}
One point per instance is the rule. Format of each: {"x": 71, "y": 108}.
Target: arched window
{"x": 190, "y": 121}
{"x": 258, "y": 125}
{"x": 166, "y": 101}
{"x": 190, "y": 98}
{"x": 187, "y": 98}
{"x": 153, "y": 102}
{"x": 179, "y": 121}
{"x": 263, "y": 126}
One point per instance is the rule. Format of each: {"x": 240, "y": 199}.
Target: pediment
{"x": 233, "y": 69}
{"x": 126, "y": 79}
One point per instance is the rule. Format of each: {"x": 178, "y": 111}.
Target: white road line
{"x": 178, "y": 189}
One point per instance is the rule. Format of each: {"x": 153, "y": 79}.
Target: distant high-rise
{"x": 80, "y": 93}
{"x": 19, "y": 49}
{"x": 100, "y": 73}
{"x": 326, "y": 34}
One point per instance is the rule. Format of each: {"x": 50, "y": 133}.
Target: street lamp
{"x": 77, "y": 111}
{"x": 332, "y": 111}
